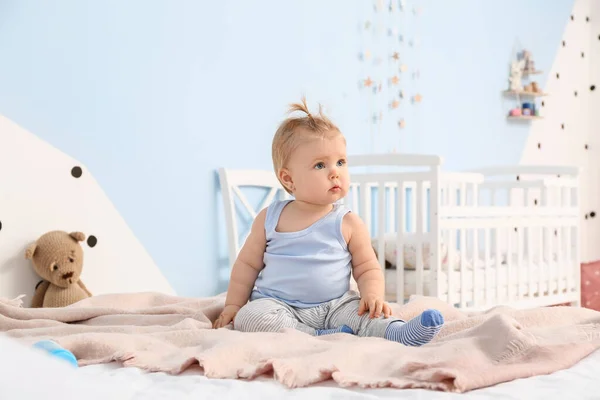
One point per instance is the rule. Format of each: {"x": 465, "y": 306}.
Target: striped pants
{"x": 271, "y": 315}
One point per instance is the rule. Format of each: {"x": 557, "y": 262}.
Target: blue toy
{"x": 55, "y": 350}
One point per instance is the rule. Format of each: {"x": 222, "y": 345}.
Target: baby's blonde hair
{"x": 295, "y": 130}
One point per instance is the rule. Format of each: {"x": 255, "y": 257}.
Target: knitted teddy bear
{"x": 57, "y": 257}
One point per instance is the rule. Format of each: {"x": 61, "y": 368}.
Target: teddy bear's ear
{"x": 80, "y": 237}
{"x": 30, "y": 251}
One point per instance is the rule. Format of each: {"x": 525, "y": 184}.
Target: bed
{"x": 514, "y": 271}
{"x": 577, "y": 382}
{"x": 53, "y": 379}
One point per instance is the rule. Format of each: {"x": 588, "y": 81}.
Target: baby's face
{"x": 319, "y": 172}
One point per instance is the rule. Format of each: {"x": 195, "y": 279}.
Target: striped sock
{"x": 418, "y": 331}
{"x": 340, "y": 329}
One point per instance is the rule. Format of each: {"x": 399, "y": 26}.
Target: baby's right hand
{"x": 227, "y": 315}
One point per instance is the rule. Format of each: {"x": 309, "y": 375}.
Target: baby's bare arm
{"x": 248, "y": 264}
{"x": 365, "y": 268}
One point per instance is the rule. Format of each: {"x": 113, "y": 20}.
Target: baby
{"x": 294, "y": 269}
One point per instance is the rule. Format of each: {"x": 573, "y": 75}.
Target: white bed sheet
{"x": 578, "y": 382}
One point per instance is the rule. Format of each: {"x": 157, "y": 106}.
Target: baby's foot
{"x": 340, "y": 329}
{"x": 418, "y": 331}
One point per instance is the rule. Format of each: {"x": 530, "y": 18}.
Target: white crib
{"x": 509, "y": 235}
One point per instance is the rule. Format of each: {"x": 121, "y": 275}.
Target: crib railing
{"x": 443, "y": 217}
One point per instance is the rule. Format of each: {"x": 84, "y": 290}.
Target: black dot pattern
{"x": 562, "y": 126}
{"x": 582, "y": 54}
{"x": 0, "y": 225}
{"x": 575, "y": 93}
{"x": 586, "y": 146}
{"x": 535, "y": 202}
{"x": 593, "y": 214}
{"x": 593, "y": 87}
{"x": 543, "y": 104}
{"x": 539, "y": 145}
{"x": 564, "y": 43}
{"x": 76, "y": 172}
{"x": 92, "y": 241}
{"x": 557, "y": 75}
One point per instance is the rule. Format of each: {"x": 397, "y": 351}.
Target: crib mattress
{"x": 574, "y": 382}
{"x": 504, "y": 280}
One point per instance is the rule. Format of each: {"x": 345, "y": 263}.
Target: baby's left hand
{"x": 375, "y": 305}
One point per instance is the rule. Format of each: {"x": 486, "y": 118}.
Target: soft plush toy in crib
{"x": 57, "y": 257}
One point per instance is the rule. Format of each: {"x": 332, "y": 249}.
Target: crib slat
{"x": 381, "y": 216}
{"x": 419, "y": 199}
{"x": 400, "y": 243}
{"x": 499, "y": 296}
{"x": 520, "y": 269}
{"x": 392, "y": 209}
{"x": 488, "y": 272}
{"x": 450, "y": 265}
{"x": 434, "y": 231}
{"x": 509, "y": 266}
{"x": 540, "y": 256}
{"x": 365, "y": 206}
{"x": 463, "y": 269}
{"x": 463, "y": 251}
{"x": 529, "y": 246}
{"x": 548, "y": 257}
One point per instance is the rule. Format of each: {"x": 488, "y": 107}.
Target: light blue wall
{"x": 153, "y": 96}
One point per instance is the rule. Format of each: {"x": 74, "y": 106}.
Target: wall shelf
{"x": 524, "y": 93}
{"x": 534, "y": 72}
{"x": 524, "y": 117}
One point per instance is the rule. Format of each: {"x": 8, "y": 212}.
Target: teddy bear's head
{"x": 57, "y": 257}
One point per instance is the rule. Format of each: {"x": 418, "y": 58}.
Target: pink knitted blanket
{"x": 157, "y": 332}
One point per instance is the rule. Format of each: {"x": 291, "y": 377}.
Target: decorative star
{"x": 396, "y": 56}
{"x": 401, "y": 123}
{"x": 395, "y": 104}
{"x": 368, "y": 82}
{"x": 401, "y": 38}
{"x": 401, "y": 94}
{"x": 395, "y": 80}
{"x": 403, "y": 68}
{"x": 367, "y": 54}
{"x": 417, "y": 98}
